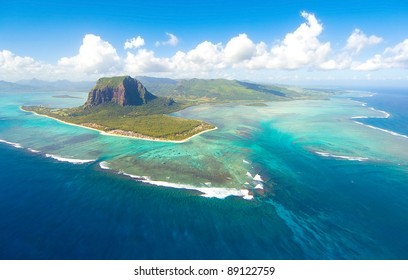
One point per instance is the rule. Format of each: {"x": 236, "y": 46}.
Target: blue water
{"x": 393, "y": 101}
{"x": 65, "y": 211}
{"x": 312, "y": 207}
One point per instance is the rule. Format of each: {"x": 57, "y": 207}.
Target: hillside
{"x": 123, "y": 91}
{"x": 123, "y": 106}
{"x": 217, "y": 90}
{"x": 35, "y": 85}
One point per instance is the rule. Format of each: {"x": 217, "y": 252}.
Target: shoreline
{"x": 102, "y": 132}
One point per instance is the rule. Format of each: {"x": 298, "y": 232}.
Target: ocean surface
{"x": 306, "y": 179}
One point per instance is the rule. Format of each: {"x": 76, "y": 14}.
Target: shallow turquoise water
{"x": 323, "y": 184}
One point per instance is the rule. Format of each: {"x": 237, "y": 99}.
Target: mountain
{"x": 60, "y": 85}
{"x": 122, "y": 91}
{"x": 107, "y": 110}
{"x": 191, "y": 91}
{"x": 162, "y": 81}
{"x": 216, "y": 89}
{"x": 13, "y": 87}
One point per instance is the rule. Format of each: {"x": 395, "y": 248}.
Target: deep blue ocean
{"x": 393, "y": 101}
{"x": 318, "y": 208}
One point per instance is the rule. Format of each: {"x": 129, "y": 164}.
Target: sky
{"x": 287, "y": 41}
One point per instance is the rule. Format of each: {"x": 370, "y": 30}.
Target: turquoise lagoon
{"x": 305, "y": 179}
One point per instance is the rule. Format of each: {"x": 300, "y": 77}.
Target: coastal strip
{"x": 70, "y": 160}
{"x": 382, "y": 129}
{"x": 328, "y": 155}
{"x": 122, "y": 133}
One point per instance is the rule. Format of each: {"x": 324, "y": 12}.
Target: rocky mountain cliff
{"x": 123, "y": 91}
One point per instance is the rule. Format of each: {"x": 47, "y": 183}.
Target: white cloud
{"x": 14, "y": 67}
{"x": 399, "y": 54}
{"x": 239, "y": 48}
{"x": 394, "y": 57}
{"x": 299, "y": 50}
{"x": 144, "y": 62}
{"x": 343, "y": 61}
{"x": 358, "y": 40}
{"x": 95, "y": 57}
{"x": 206, "y": 56}
{"x": 346, "y": 59}
{"x": 374, "y": 63}
{"x": 134, "y": 43}
{"x": 11, "y": 62}
{"x": 172, "y": 41}
{"x": 302, "y": 47}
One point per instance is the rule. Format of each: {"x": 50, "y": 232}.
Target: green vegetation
{"x": 150, "y": 121}
{"x": 110, "y": 82}
{"x": 198, "y": 91}
{"x": 147, "y": 121}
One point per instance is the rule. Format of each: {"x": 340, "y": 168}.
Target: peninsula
{"x": 122, "y": 106}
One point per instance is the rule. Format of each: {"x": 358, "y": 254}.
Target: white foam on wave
{"x": 15, "y": 145}
{"x": 33, "y": 151}
{"x": 209, "y": 192}
{"x": 360, "y": 117}
{"x": 246, "y": 195}
{"x": 245, "y": 161}
{"x": 258, "y": 178}
{"x": 256, "y": 181}
{"x": 70, "y": 160}
{"x": 323, "y": 154}
{"x": 104, "y": 165}
{"x": 134, "y": 176}
{"x": 386, "y": 114}
{"x": 383, "y": 130}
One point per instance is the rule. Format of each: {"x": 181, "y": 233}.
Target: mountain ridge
{"x": 122, "y": 90}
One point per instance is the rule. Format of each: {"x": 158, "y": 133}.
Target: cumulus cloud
{"x": 346, "y": 59}
{"x": 144, "y": 62}
{"x": 374, "y": 63}
{"x": 394, "y": 57}
{"x": 11, "y": 62}
{"x": 239, "y": 48}
{"x": 342, "y": 61}
{"x": 172, "y": 40}
{"x": 399, "y": 54}
{"x": 358, "y": 40}
{"x": 206, "y": 56}
{"x": 299, "y": 49}
{"x": 134, "y": 43}
{"x": 302, "y": 47}
{"x": 14, "y": 67}
{"x": 95, "y": 56}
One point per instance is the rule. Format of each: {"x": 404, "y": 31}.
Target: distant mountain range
{"x": 40, "y": 85}
{"x": 191, "y": 90}
{"x": 215, "y": 89}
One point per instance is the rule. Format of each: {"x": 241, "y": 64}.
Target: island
{"x": 122, "y": 106}
{"x": 65, "y": 96}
